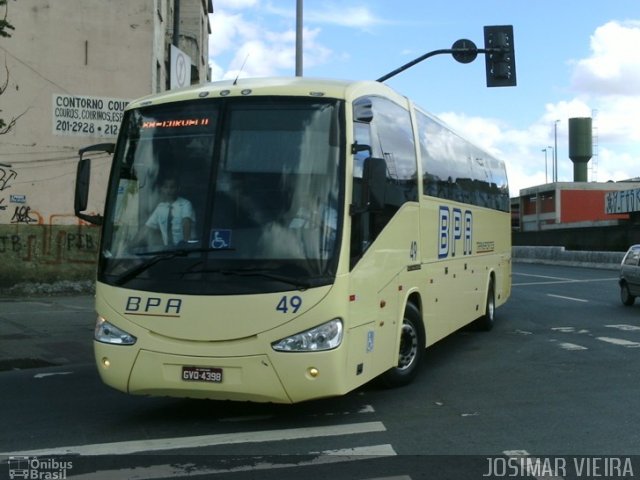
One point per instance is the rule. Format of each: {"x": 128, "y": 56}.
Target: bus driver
{"x": 173, "y": 217}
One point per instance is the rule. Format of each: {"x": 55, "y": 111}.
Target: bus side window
{"x": 392, "y": 133}
{"x": 388, "y": 131}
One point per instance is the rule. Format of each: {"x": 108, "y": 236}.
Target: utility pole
{"x": 299, "y": 38}
{"x": 176, "y": 23}
{"x": 555, "y": 148}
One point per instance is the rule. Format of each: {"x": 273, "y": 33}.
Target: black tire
{"x": 410, "y": 350}
{"x": 488, "y": 320}
{"x": 625, "y": 295}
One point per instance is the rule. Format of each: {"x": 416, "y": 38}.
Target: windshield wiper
{"x": 299, "y": 284}
{"x": 158, "y": 256}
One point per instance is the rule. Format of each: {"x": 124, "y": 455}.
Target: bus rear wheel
{"x": 410, "y": 351}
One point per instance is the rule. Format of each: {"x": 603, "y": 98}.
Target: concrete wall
{"x": 560, "y": 256}
{"x": 64, "y": 53}
{"x": 47, "y": 254}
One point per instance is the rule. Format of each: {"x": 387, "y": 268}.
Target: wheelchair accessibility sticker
{"x": 220, "y": 239}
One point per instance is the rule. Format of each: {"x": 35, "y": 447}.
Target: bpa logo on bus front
{"x": 153, "y": 306}
{"x": 454, "y": 227}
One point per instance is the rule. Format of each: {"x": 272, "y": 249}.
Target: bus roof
{"x": 297, "y": 86}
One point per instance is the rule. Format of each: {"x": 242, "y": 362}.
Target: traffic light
{"x": 500, "y": 56}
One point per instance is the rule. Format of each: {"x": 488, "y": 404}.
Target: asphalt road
{"x": 556, "y": 377}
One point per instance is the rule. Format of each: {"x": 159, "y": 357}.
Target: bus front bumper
{"x": 241, "y": 378}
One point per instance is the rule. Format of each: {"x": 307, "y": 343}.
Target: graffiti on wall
{"x": 51, "y": 244}
{"x": 22, "y": 213}
{"x": 27, "y": 236}
{"x": 7, "y": 175}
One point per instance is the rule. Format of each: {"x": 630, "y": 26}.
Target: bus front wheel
{"x": 410, "y": 351}
{"x": 488, "y": 320}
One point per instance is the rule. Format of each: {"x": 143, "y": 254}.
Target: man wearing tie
{"x": 174, "y": 216}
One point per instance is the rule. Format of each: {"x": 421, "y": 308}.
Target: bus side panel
{"x": 461, "y": 246}
{"x": 375, "y": 312}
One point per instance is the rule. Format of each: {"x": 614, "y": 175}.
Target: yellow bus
{"x": 286, "y": 239}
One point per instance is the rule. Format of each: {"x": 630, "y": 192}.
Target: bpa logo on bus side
{"x": 454, "y": 228}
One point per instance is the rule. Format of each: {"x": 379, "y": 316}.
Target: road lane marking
{"x": 567, "y": 298}
{"x": 542, "y": 276}
{"x": 625, "y": 328}
{"x": 569, "y": 330}
{"x": 546, "y": 280}
{"x": 153, "y": 445}
{"x": 620, "y": 342}
{"x": 43, "y": 375}
{"x": 373, "y": 450}
{"x": 262, "y": 463}
{"x": 572, "y": 346}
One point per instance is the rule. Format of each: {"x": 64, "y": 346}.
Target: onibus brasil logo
{"x": 38, "y": 468}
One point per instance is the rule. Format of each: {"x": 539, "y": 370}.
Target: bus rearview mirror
{"x": 83, "y": 180}
{"x": 374, "y": 176}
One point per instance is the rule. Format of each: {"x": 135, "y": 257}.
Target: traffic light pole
{"x": 499, "y": 51}
{"x": 462, "y": 52}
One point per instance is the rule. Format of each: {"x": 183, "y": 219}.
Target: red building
{"x": 569, "y": 205}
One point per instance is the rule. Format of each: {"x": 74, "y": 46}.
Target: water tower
{"x": 580, "y": 146}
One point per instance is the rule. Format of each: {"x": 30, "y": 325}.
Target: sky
{"x": 574, "y": 58}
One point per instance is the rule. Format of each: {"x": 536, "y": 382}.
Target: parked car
{"x": 630, "y": 276}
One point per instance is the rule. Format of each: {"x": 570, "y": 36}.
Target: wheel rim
{"x": 491, "y": 307}
{"x": 408, "y": 346}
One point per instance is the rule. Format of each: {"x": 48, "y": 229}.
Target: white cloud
{"x": 257, "y": 49}
{"x": 614, "y": 65}
{"x": 270, "y": 54}
{"x": 331, "y": 13}
{"x": 521, "y": 150}
{"x": 267, "y": 41}
{"x": 354, "y": 17}
{"x": 235, "y": 4}
{"x": 227, "y": 30}
{"x": 607, "y": 84}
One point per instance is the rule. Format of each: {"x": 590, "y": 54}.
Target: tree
{"x": 5, "y": 31}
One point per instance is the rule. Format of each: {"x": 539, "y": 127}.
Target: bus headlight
{"x": 105, "y": 332}
{"x": 323, "y": 337}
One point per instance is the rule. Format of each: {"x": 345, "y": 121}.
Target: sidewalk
{"x": 40, "y": 331}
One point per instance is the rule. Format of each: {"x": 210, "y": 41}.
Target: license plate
{"x": 202, "y": 374}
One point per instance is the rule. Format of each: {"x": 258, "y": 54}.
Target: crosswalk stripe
{"x": 261, "y": 463}
{"x": 571, "y": 346}
{"x": 152, "y": 445}
{"x": 619, "y": 341}
{"x": 625, "y": 328}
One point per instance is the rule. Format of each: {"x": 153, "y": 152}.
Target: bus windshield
{"x": 226, "y": 196}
